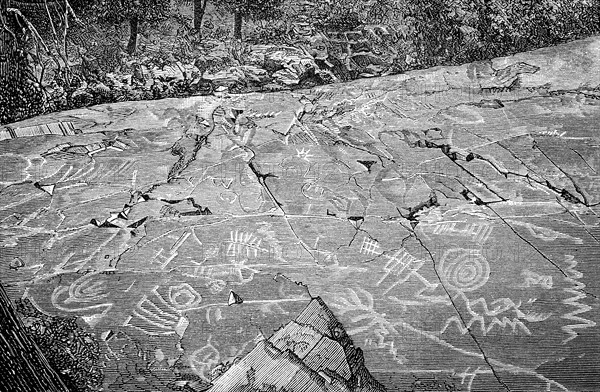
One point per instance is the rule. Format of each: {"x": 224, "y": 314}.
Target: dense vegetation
{"x": 84, "y": 52}
{"x": 20, "y": 95}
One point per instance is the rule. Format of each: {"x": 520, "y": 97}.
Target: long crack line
{"x": 261, "y": 180}
{"x": 477, "y": 343}
{"x": 575, "y": 185}
{"x": 536, "y": 249}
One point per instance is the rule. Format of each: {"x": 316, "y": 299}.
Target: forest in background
{"x": 62, "y": 54}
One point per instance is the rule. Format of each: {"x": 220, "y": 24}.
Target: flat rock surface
{"x": 447, "y": 217}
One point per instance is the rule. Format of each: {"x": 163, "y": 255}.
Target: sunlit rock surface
{"x": 447, "y": 217}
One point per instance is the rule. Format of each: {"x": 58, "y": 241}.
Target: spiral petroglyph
{"x": 464, "y": 270}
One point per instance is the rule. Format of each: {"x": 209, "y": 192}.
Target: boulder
{"x": 287, "y": 65}
{"x": 168, "y": 73}
{"x": 281, "y": 57}
{"x": 241, "y": 76}
{"x": 227, "y": 78}
{"x": 255, "y": 74}
{"x": 295, "y": 72}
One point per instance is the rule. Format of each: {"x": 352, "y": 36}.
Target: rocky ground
{"x": 218, "y": 66}
{"x": 447, "y": 217}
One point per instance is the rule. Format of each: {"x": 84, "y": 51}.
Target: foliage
{"x": 118, "y": 11}
{"x": 252, "y": 9}
{"x": 71, "y": 53}
{"x": 277, "y": 31}
{"x": 343, "y": 15}
{"x": 436, "y": 32}
{"x": 20, "y": 94}
{"x": 336, "y": 15}
{"x": 20, "y": 98}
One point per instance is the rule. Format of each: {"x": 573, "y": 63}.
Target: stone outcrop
{"x": 311, "y": 353}
{"x": 427, "y": 209}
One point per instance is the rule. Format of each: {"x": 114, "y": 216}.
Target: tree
{"x": 135, "y": 12}
{"x": 249, "y": 9}
{"x": 199, "y": 9}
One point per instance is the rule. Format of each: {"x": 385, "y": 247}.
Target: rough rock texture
{"x": 24, "y": 367}
{"x": 311, "y": 353}
{"x": 447, "y": 217}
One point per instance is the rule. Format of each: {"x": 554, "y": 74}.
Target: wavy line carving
{"x": 578, "y": 294}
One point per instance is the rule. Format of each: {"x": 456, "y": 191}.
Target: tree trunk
{"x": 237, "y": 25}
{"x": 24, "y": 367}
{"x": 9, "y": 64}
{"x": 133, "y": 33}
{"x": 6, "y": 45}
{"x": 199, "y": 8}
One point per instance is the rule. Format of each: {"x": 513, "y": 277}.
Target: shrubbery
{"x": 85, "y": 57}
{"x": 20, "y": 95}
{"x": 435, "y": 32}
{"x": 20, "y": 98}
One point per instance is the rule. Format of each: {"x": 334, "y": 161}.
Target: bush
{"x": 19, "y": 99}
{"x": 438, "y": 32}
{"x": 370, "y": 37}
{"x": 20, "y": 95}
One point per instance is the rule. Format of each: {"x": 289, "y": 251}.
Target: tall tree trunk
{"x": 9, "y": 45}
{"x": 199, "y": 8}
{"x": 133, "y": 33}
{"x": 24, "y": 367}
{"x": 237, "y": 25}
{"x": 6, "y": 43}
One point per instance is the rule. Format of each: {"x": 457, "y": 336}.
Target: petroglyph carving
{"x": 399, "y": 268}
{"x": 464, "y": 270}
{"x": 184, "y": 296}
{"x": 478, "y": 232}
{"x": 488, "y": 317}
{"x": 312, "y": 190}
{"x": 370, "y": 247}
{"x": 402, "y": 265}
{"x": 578, "y": 294}
{"x": 163, "y": 258}
{"x": 86, "y": 295}
{"x": 154, "y": 315}
{"x": 202, "y": 361}
{"x": 244, "y": 245}
{"x": 363, "y": 308}
{"x": 544, "y": 233}
{"x": 304, "y": 154}
{"x": 535, "y": 279}
{"x": 469, "y": 375}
